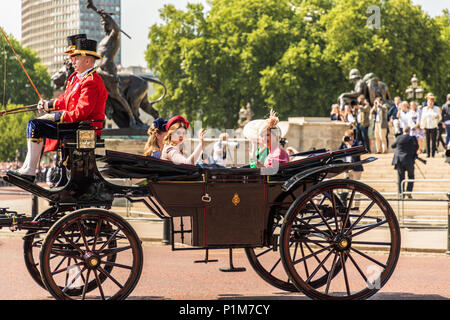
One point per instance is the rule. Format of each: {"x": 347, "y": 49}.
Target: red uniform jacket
{"x": 83, "y": 100}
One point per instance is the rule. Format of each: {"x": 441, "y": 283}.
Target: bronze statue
{"x": 376, "y": 88}
{"x": 360, "y": 89}
{"x": 60, "y": 77}
{"x": 127, "y": 93}
{"x": 245, "y": 115}
{"x": 369, "y": 86}
{"x": 106, "y": 67}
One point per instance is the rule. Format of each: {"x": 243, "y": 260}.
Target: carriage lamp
{"x": 86, "y": 139}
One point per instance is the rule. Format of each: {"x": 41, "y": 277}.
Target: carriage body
{"x": 208, "y": 209}
{"x": 226, "y": 207}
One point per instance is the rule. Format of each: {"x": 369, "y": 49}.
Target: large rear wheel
{"x": 266, "y": 261}
{"x": 363, "y": 243}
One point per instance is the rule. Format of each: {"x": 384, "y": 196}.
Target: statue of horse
{"x": 132, "y": 87}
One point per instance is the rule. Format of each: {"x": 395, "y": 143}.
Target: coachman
{"x": 83, "y": 100}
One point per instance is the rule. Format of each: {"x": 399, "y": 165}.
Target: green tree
{"x": 294, "y": 55}
{"x": 442, "y": 76}
{"x": 14, "y": 84}
{"x": 212, "y": 64}
{"x": 407, "y": 42}
{"x": 13, "y": 128}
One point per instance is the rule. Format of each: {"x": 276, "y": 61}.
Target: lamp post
{"x": 414, "y": 91}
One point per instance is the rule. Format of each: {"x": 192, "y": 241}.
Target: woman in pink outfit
{"x": 270, "y": 134}
{"x": 176, "y": 133}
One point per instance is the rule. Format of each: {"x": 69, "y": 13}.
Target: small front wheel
{"x": 91, "y": 251}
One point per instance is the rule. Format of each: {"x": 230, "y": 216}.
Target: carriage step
{"x": 231, "y": 268}
{"x": 206, "y": 260}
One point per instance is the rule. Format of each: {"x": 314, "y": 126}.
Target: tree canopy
{"x": 15, "y": 88}
{"x": 292, "y": 55}
{"x": 15, "y": 91}
{"x": 13, "y": 130}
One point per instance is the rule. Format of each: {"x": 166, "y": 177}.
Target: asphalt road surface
{"x": 169, "y": 275}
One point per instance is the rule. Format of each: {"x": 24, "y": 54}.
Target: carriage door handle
{"x": 206, "y": 198}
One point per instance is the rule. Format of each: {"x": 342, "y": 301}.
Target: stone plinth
{"x": 305, "y": 134}
{"x": 134, "y": 146}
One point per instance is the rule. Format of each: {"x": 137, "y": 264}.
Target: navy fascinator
{"x": 160, "y": 124}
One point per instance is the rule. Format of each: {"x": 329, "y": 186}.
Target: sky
{"x": 139, "y": 15}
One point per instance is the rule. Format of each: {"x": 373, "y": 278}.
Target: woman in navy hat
{"x": 156, "y": 134}
{"x": 176, "y": 133}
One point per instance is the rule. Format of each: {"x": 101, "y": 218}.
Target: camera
{"x": 347, "y": 139}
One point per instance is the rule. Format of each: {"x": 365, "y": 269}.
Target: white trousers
{"x": 32, "y": 159}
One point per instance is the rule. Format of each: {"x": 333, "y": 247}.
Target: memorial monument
{"x": 370, "y": 86}
{"x": 128, "y": 93}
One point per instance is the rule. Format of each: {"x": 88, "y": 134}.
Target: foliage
{"x": 408, "y": 42}
{"x": 292, "y": 55}
{"x": 13, "y": 134}
{"x": 17, "y": 89}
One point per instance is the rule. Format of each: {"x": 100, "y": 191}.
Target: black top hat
{"x": 71, "y": 41}
{"x": 85, "y": 47}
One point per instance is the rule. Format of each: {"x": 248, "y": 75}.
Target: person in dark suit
{"x": 349, "y": 141}
{"x": 405, "y": 154}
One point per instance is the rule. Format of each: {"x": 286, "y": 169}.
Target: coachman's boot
{"x": 28, "y": 170}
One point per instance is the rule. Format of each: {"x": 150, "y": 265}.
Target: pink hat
{"x": 176, "y": 119}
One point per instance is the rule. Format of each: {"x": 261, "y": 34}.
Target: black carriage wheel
{"x": 364, "y": 243}
{"x": 32, "y": 247}
{"x": 32, "y": 244}
{"x": 268, "y": 269}
{"x": 76, "y": 256}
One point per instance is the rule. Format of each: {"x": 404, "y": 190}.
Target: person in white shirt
{"x": 403, "y": 115}
{"x": 414, "y": 116}
{"x": 221, "y": 152}
{"x": 348, "y": 115}
{"x": 431, "y": 116}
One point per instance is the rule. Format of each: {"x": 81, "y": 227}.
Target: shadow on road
{"x": 406, "y": 296}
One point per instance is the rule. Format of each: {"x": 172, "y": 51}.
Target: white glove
{"x": 43, "y": 105}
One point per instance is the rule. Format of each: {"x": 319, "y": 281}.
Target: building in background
{"x": 47, "y": 23}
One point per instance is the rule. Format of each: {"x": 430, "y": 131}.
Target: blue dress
{"x": 156, "y": 154}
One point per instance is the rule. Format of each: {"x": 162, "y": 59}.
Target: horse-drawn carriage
{"x": 300, "y": 229}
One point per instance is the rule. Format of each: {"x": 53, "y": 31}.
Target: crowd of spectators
{"x": 41, "y": 172}
{"x": 372, "y": 123}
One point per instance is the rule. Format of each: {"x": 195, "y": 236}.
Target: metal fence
{"x": 397, "y": 197}
{"x": 424, "y": 196}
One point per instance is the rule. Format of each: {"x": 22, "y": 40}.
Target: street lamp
{"x": 414, "y": 91}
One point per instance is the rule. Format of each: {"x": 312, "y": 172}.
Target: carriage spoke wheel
{"x": 266, "y": 261}
{"x": 91, "y": 254}
{"x": 353, "y": 248}
{"x": 32, "y": 248}
{"x": 32, "y": 244}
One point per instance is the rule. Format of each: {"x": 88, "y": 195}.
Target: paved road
{"x": 171, "y": 275}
